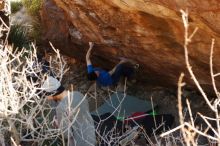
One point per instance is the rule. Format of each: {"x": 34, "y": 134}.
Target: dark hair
{"x": 57, "y": 92}
{"x": 92, "y": 76}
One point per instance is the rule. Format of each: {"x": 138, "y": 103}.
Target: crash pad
{"x": 123, "y": 105}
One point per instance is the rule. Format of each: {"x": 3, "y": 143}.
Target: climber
{"x": 104, "y": 78}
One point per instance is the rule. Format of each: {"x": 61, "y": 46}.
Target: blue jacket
{"x": 104, "y": 78}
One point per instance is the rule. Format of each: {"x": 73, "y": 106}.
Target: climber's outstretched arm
{"x": 88, "y": 61}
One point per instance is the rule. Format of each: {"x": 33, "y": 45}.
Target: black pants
{"x": 122, "y": 70}
{"x": 149, "y": 123}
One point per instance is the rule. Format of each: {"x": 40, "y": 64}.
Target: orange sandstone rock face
{"x": 147, "y": 31}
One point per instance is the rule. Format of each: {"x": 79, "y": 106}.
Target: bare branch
{"x": 186, "y": 41}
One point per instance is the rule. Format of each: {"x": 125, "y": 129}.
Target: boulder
{"x": 149, "y": 32}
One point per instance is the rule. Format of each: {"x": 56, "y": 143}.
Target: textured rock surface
{"x": 149, "y": 32}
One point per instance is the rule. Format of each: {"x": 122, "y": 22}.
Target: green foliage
{"x": 33, "y": 7}
{"x": 16, "y": 6}
{"x": 36, "y": 31}
{"x": 18, "y": 37}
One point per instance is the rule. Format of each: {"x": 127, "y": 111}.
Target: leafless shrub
{"x": 190, "y": 132}
{"x": 23, "y": 109}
